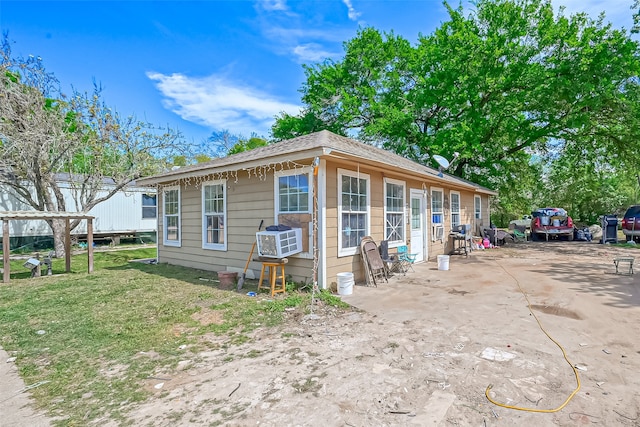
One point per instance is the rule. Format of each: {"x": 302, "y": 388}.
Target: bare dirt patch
{"x": 207, "y": 316}
{"x": 422, "y": 350}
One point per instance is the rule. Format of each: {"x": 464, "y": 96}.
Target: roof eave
{"x": 235, "y": 166}
{"x": 431, "y": 175}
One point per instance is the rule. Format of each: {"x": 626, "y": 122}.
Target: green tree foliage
{"x": 500, "y": 86}
{"x": 246, "y": 145}
{"x": 47, "y": 139}
{"x": 224, "y": 143}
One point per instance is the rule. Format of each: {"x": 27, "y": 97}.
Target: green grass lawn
{"x": 83, "y": 334}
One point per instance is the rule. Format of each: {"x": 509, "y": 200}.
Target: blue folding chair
{"x": 406, "y": 259}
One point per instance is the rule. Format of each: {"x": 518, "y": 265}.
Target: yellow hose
{"x": 564, "y": 354}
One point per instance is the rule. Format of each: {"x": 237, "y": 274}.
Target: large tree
{"x": 499, "y": 85}
{"x": 44, "y": 135}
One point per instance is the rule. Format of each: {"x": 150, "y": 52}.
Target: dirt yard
{"x": 422, "y": 350}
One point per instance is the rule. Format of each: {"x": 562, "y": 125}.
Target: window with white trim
{"x": 477, "y": 207}
{"x": 455, "y": 209}
{"x": 437, "y": 213}
{"x": 394, "y": 228}
{"x": 353, "y": 210}
{"x": 293, "y": 193}
{"x": 149, "y": 206}
{"x": 171, "y": 216}
{"x": 214, "y": 213}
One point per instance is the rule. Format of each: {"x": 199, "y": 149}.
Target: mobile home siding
{"x": 121, "y": 213}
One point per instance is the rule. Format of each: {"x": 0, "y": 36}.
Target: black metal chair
{"x": 392, "y": 261}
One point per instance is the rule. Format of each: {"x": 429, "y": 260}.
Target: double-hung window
{"x": 394, "y": 228}
{"x": 477, "y": 207}
{"x": 149, "y": 206}
{"x": 214, "y": 215}
{"x": 293, "y": 193}
{"x": 455, "y": 209}
{"x": 353, "y": 210}
{"x": 171, "y": 216}
{"x": 437, "y": 213}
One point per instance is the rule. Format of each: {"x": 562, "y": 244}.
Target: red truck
{"x": 549, "y": 223}
{"x": 631, "y": 223}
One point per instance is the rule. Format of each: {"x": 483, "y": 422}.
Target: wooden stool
{"x": 272, "y": 266}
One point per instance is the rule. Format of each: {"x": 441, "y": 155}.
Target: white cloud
{"x": 273, "y": 5}
{"x": 353, "y": 15}
{"x": 220, "y": 103}
{"x": 312, "y": 52}
{"x": 287, "y": 35}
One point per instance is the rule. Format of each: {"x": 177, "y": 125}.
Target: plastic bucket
{"x": 443, "y": 262}
{"x": 556, "y": 223}
{"x": 544, "y": 220}
{"x": 345, "y": 283}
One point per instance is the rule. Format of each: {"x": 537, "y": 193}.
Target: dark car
{"x": 631, "y": 223}
{"x": 548, "y": 223}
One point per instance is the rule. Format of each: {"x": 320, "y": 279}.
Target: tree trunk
{"x": 58, "y": 228}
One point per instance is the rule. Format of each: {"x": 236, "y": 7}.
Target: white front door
{"x": 417, "y": 219}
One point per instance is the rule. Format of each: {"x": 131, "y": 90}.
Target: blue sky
{"x": 206, "y": 66}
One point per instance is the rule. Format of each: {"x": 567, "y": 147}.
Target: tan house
{"x": 335, "y": 189}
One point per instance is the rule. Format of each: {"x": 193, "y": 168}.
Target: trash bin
{"x": 609, "y": 229}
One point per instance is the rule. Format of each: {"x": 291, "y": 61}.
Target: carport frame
{"x": 39, "y": 215}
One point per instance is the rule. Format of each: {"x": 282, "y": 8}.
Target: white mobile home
{"x": 131, "y": 212}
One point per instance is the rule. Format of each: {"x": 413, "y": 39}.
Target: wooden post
{"x": 67, "y": 245}
{"x": 5, "y": 251}
{"x": 90, "y": 244}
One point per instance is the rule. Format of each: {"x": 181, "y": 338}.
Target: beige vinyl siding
{"x": 251, "y": 199}
{"x": 353, "y": 263}
{"x": 247, "y": 200}
{"x": 467, "y": 209}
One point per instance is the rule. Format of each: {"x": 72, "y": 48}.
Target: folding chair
{"x": 392, "y": 261}
{"x": 520, "y": 233}
{"x": 373, "y": 263}
{"x": 406, "y": 259}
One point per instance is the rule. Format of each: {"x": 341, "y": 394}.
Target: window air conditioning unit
{"x": 279, "y": 244}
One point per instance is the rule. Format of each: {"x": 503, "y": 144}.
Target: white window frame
{"x": 165, "y": 240}
{"x": 305, "y": 171}
{"x": 477, "y": 207}
{"x": 437, "y": 212}
{"x": 402, "y": 210}
{"x": 453, "y": 212}
{"x": 207, "y": 245}
{"x": 352, "y": 250}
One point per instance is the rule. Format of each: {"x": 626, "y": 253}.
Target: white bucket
{"x": 345, "y": 283}
{"x": 544, "y": 220}
{"x": 443, "y": 262}
{"x": 556, "y": 223}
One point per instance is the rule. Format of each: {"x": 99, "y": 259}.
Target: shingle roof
{"x": 319, "y": 140}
